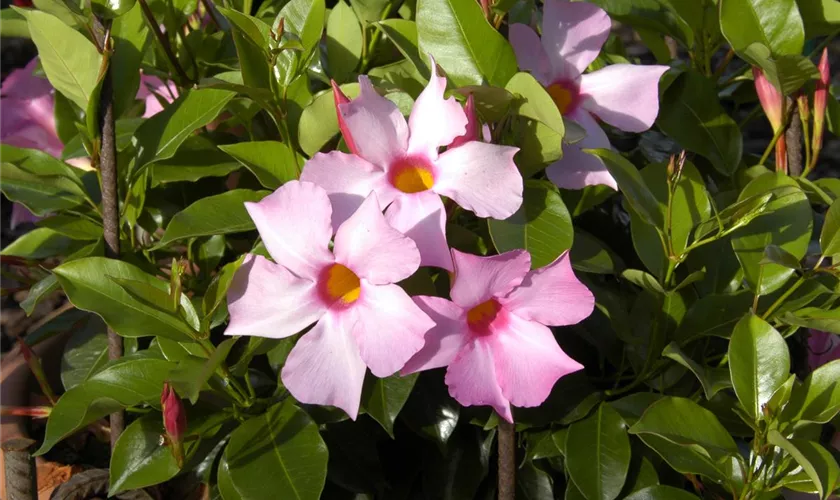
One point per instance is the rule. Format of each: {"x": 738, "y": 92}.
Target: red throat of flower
{"x": 565, "y": 96}
{"x": 339, "y": 285}
{"x": 412, "y": 175}
{"x": 480, "y": 317}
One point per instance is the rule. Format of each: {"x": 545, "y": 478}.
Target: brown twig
{"x": 19, "y": 465}
{"x": 506, "y": 445}
{"x": 164, "y": 43}
{"x": 793, "y": 140}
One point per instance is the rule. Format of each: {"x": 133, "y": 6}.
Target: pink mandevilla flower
{"x": 492, "y": 335}
{"x": 400, "y": 162}
{"x": 823, "y": 347}
{"x": 624, "y": 95}
{"x": 363, "y": 318}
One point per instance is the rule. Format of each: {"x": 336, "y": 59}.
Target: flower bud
{"x": 174, "y": 421}
{"x": 26, "y": 411}
{"x": 341, "y": 98}
{"x": 473, "y": 125}
{"x": 770, "y": 98}
{"x": 820, "y": 98}
{"x": 37, "y": 370}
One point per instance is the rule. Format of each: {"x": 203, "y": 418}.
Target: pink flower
{"x": 624, "y": 95}
{"x": 363, "y": 318}
{"x": 27, "y": 113}
{"x": 823, "y": 347}
{"x": 492, "y": 335}
{"x": 400, "y": 162}
{"x": 820, "y": 103}
{"x": 152, "y": 90}
{"x": 174, "y": 421}
{"x": 771, "y": 102}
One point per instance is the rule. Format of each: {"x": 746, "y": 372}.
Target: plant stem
{"x": 784, "y": 297}
{"x": 779, "y": 133}
{"x": 164, "y": 43}
{"x": 793, "y": 138}
{"x": 506, "y": 445}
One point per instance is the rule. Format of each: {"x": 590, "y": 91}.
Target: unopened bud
{"x": 35, "y": 366}
{"x": 341, "y": 98}
{"x": 770, "y": 98}
{"x": 820, "y": 102}
{"x": 174, "y": 421}
{"x": 26, "y": 411}
{"x": 473, "y": 125}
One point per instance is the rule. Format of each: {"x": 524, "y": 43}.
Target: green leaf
{"x": 159, "y": 137}
{"x": 198, "y": 157}
{"x": 817, "y": 462}
{"x": 138, "y": 459}
{"x": 655, "y": 15}
{"x": 13, "y": 24}
{"x": 403, "y": 34}
{"x": 642, "y": 475}
{"x": 304, "y": 18}
{"x": 70, "y": 60}
{"x": 344, "y": 42}
{"x": 713, "y": 315}
{"x": 533, "y": 483}
{"x": 251, "y": 37}
{"x": 774, "y": 23}
{"x": 279, "y": 451}
{"x": 777, "y": 255}
{"x": 128, "y": 382}
{"x": 830, "y": 235}
{"x": 131, "y": 39}
{"x": 272, "y": 162}
{"x": 218, "y": 214}
{"x": 318, "y": 122}
{"x": 713, "y": 380}
{"x": 814, "y": 317}
{"x": 383, "y": 398}
{"x": 86, "y": 352}
{"x": 737, "y": 215}
{"x": 598, "y": 454}
{"x": 786, "y": 222}
{"x": 632, "y": 185}
{"x": 542, "y": 226}
{"x": 463, "y": 43}
{"x": 73, "y": 226}
{"x": 40, "y": 183}
{"x": 39, "y": 291}
{"x": 535, "y": 103}
{"x": 661, "y": 492}
{"x": 591, "y": 255}
{"x": 787, "y": 73}
{"x": 684, "y": 422}
{"x": 89, "y": 285}
{"x": 692, "y": 115}
{"x": 369, "y": 11}
{"x": 194, "y": 381}
{"x": 818, "y": 398}
{"x": 821, "y": 17}
{"x": 543, "y": 445}
{"x": 39, "y": 244}
{"x": 759, "y": 362}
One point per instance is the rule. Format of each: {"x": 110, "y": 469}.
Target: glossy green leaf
{"x": 598, "y": 454}
{"x": 786, "y": 222}
{"x": 713, "y": 379}
{"x": 759, "y": 362}
{"x": 138, "y": 459}
{"x": 463, "y": 43}
{"x": 13, "y": 24}
{"x": 814, "y": 317}
{"x": 786, "y": 72}
{"x": 655, "y": 15}
{"x": 661, "y": 492}
{"x": 632, "y": 185}
{"x": 383, "y": 398}
{"x": 73, "y": 226}
{"x": 830, "y": 235}
{"x": 542, "y": 226}
{"x": 193, "y": 381}
{"x": 779, "y": 256}
{"x": 198, "y": 157}
{"x": 131, "y": 40}
{"x": 278, "y": 451}
{"x": 691, "y": 114}
{"x": 818, "y": 398}
{"x": 535, "y": 103}
{"x": 533, "y": 483}
{"x": 41, "y": 243}
{"x": 251, "y": 37}
{"x": 304, "y": 18}
{"x": 403, "y": 34}
{"x": 686, "y": 459}
{"x": 127, "y": 382}
{"x": 272, "y": 162}
{"x": 642, "y": 475}
{"x": 344, "y": 42}
{"x": 39, "y": 291}
{"x": 41, "y": 193}
{"x": 590, "y": 255}
{"x": 70, "y": 60}
{"x": 713, "y": 315}
{"x": 774, "y": 23}
{"x": 817, "y": 462}
{"x": 218, "y": 214}
{"x": 86, "y": 352}
{"x": 820, "y": 17}
{"x": 684, "y": 422}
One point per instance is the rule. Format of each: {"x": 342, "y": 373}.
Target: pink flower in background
{"x": 363, "y": 318}
{"x": 823, "y": 347}
{"x": 400, "y": 162}
{"x": 624, "y": 95}
{"x": 492, "y": 335}
{"x": 152, "y": 90}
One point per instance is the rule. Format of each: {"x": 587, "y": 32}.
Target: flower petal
{"x": 388, "y": 327}
{"x": 374, "y": 250}
{"x": 294, "y": 222}
{"x": 528, "y": 361}
{"x": 624, "y": 95}
{"x": 472, "y": 379}
{"x": 152, "y": 89}
{"x": 444, "y": 340}
{"x": 478, "y": 279}
{"x": 422, "y": 218}
{"x": 573, "y": 34}
{"x": 482, "y": 178}
{"x": 530, "y": 54}
{"x": 576, "y": 169}
{"x": 551, "y": 295}
{"x": 434, "y": 121}
{"x": 266, "y": 300}
{"x": 325, "y": 368}
{"x": 340, "y": 98}
{"x": 379, "y": 130}
{"x": 474, "y": 128}
{"x": 348, "y": 180}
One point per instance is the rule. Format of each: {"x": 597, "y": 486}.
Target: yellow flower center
{"x": 412, "y": 176}
{"x": 561, "y": 96}
{"x": 340, "y": 284}
{"x": 481, "y": 316}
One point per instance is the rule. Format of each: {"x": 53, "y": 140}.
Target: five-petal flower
{"x": 624, "y": 95}
{"x": 493, "y": 335}
{"x": 401, "y": 163}
{"x": 363, "y": 318}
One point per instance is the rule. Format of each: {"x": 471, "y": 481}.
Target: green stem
{"x": 368, "y": 47}
{"x": 779, "y": 133}
{"x": 784, "y": 297}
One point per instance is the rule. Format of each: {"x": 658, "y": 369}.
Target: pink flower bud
{"x": 341, "y": 98}
{"x": 473, "y": 125}
{"x": 820, "y": 98}
{"x": 37, "y": 370}
{"x": 174, "y": 416}
{"x": 26, "y": 411}
{"x": 770, "y": 98}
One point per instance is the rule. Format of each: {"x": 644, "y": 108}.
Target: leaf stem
{"x": 783, "y": 297}
{"x": 164, "y": 44}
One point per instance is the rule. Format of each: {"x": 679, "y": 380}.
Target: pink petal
{"x": 152, "y": 89}
{"x": 21, "y": 215}
{"x": 573, "y": 33}
{"x": 379, "y": 130}
{"x": 294, "y": 223}
{"x": 624, "y": 95}
{"x": 388, "y": 327}
{"x": 551, "y": 295}
{"x": 482, "y": 178}
{"x": 340, "y": 98}
{"x": 422, "y": 218}
{"x": 444, "y": 340}
{"x": 576, "y": 169}
{"x": 374, "y": 250}
{"x": 473, "y": 125}
{"x": 823, "y": 347}
{"x": 528, "y": 361}
{"x": 348, "y": 180}
{"x": 23, "y": 84}
{"x": 530, "y": 54}
{"x": 434, "y": 121}
{"x": 478, "y": 279}
{"x": 472, "y": 379}
{"x": 325, "y": 368}
{"x": 266, "y": 300}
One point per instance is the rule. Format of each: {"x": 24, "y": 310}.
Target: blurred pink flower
{"x": 624, "y": 95}
{"x": 820, "y": 102}
{"x": 823, "y": 347}
{"x": 492, "y": 335}
{"x": 400, "y": 162}
{"x": 361, "y": 317}
{"x": 152, "y": 90}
